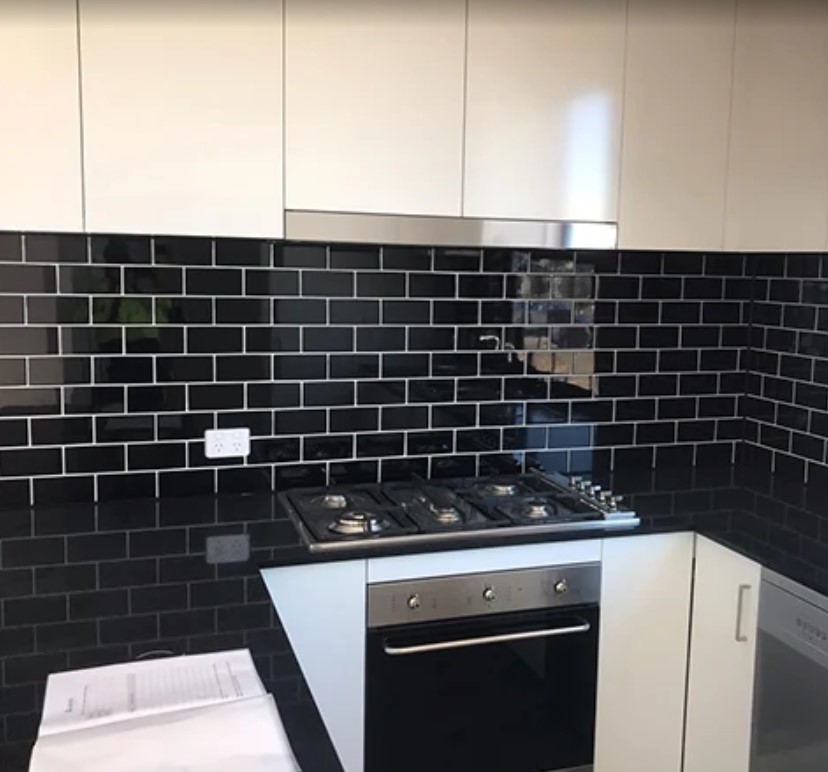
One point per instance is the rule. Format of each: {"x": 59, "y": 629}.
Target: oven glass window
{"x": 516, "y": 705}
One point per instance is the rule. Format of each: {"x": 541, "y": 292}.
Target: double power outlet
{"x": 227, "y": 443}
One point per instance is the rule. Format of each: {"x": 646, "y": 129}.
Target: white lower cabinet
{"x": 645, "y": 619}
{"x": 722, "y": 660}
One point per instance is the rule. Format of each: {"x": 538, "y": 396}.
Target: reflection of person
{"x": 133, "y": 309}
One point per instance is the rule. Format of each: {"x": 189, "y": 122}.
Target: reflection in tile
{"x": 528, "y": 287}
{"x": 275, "y": 450}
{"x": 56, "y": 248}
{"x": 153, "y": 281}
{"x": 324, "y": 448}
{"x": 122, "y": 310}
{"x": 16, "y": 401}
{"x": 183, "y": 311}
{"x": 402, "y": 469}
{"x": 431, "y": 391}
{"x": 354, "y": 472}
{"x": 555, "y": 312}
{"x": 452, "y": 259}
{"x": 552, "y": 261}
{"x": 28, "y": 340}
{"x": 120, "y": 249}
{"x": 505, "y": 261}
{"x": 503, "y": 312}
{"x": 430, "y": 443}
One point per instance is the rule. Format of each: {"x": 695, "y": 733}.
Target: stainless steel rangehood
{"x": 447, "y": 231}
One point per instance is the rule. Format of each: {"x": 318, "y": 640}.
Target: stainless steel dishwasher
{"x": 790, "y": 722}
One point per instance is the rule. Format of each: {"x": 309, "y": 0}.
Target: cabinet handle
{"x": 740, "y": 607}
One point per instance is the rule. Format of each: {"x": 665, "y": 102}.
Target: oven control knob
{"x": 489, "y": 594}
{"x": 561, "y": 587}
{"x": 414, "y": 602}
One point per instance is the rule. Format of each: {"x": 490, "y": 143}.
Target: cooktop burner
{"x": 349, "y": 516}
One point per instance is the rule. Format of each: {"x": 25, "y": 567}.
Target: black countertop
{"x": 157, "y": 551}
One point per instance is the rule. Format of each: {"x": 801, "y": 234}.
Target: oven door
{"x": 506, "y": 693}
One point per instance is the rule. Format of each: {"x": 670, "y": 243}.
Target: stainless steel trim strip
{"x": 447, "y": 231}
{"x": 395, "y": 651}
{"x": 450, "y": 537}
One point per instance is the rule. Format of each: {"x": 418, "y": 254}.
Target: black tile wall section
{"x": 348, "y": 364}
{"x": 786, "y": 402}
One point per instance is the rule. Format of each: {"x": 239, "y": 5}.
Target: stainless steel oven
{"x": 487, "y": 672}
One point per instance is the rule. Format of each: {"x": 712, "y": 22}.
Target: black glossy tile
{"x": 479, "y": 389}
{"x": 276, "y": 395}
{"x": 12, "y": 372}
{"x": 272, "y": 283}
{"x": 182, "y": 250}
{"x": 119, "y": 250}
{"x": 351, "y": 257}
{"x": 186, "y": 426}
{"x": 381, "y": 339}
{"x": 279, "y": 450}
{"x": 506, "y": 414}
{"x": 459, "y": 260}
{"x": 215, "y": 397}
{"x": 333, "y": 394}
{"x": 363, "y": 419}
{"x": 124, "y": 429}
{"x": 381, "y": 392}
{"x": 242, "y": 311}
{"x": 153, "y": 281}
{"x": 405, "y": 366}
{"x": 272, "y": 339}
{"x": 14, "y": 433}
{"x": 61, "y": 431}
{"x": 459, "y": 312}
{"x": 214, "y": 340}
{"x": 156, "y": 399}
{"x": 31, "y": 401}
{"x": 297, "y": 255}
{"x": 299, "y": 311}
{"x": 483, "y": 286}
{"x": 354, "y": 366}
{"x": 300, "y": 367}
{"x": 430, "y": 443}
{"x": 354, "y": 312}
{"x": 30, "y": 463}
{"x": 481, "y": 441}
{"x": 242, "y": 252}
{"x": 378, "y": 445}
{"x": 27, "y": 278}
{"x": 159, "y": 455}
{"x": 330, "y": 447}
{"x": 184, "y": 369}
{"x": 213, "y": 281}
{"x": 398, "y": 418}
{"x": 243, "y": 368}
{"x": 505, "y": 261}
{"x": 431, "y": 338}
{"x": 95, "y": 459}
{"x": 427, "y": 285}
{"x": 327, "y": 284}
{"x": 14, "y": 494}
{"x": 60, "y": 248}
{"x": 528, "y": 287}
{"x": 448, "y": 365}
{"x": 124, "y": 370}
{"x": 328, "y": 339}
{"x": 406, "y": 312}
{"x": 11, "y": 247}
{"x": 300, "y": 422}
{"x": 431, "y": 391}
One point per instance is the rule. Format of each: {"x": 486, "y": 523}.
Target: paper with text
{"x": 84, "y": 698}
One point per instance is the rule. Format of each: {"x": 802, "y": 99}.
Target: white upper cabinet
{"x": 40, "y": 130}
{"x": 676, "y": 124}
{"x": 778, "y": 177}
{"x": 722, "y": 660}
{"x": 543, "y": 116}
{"x": 374, "y": 106}
{"x": 182, "y": 112}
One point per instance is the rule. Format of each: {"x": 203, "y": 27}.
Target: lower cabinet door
{"x": 722, "y": 660}
{"x": 642, "y": 667}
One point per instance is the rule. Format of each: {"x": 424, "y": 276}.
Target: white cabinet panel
{"x": 642, "y": 668}
{"x": 374, "y": 105}
{"x": 676, "y": 124}
{"x": 182, "y": 110}
{"x": 322, "y": 609}
{"x": 778, "y": 175}
{"x": 40, "y": 135}
{"x": 543, "y": 126}
{"x": 722, "y": 660}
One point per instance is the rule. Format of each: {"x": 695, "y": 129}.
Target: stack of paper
{"x": 205, "y": 713}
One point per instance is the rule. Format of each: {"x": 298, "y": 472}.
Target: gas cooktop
{"x": 360, "y": 516}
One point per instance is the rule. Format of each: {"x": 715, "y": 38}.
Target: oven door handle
{"x": 397, "y": 651}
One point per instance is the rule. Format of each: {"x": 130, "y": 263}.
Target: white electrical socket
{"x": 227, "y": 443}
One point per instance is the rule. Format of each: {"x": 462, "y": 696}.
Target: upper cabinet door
{"x": 543, "y": 122}
{"x": 182, "y": 111}
{"x": 778, "y": 176}
{"x": 40, "y": 145}
{"x": 374, "y": 105}
{"x": 676, "y": 124}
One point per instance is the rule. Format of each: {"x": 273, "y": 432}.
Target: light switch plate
{"x": 227, "y": 443}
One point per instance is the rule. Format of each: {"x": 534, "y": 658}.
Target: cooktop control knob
{"x": 489, "y": 594}
{"x": 574, "y": 481}
{"x": 561, "y": 587}
{"x": 414, "y": 602}
{"x": 583, "y": 485}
